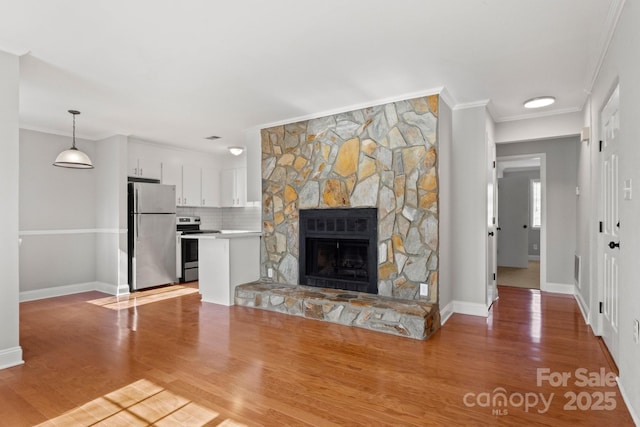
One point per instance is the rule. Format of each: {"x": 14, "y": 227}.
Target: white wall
{"x": 469, "y": 208}
{"x": 57, "y": 216}
{"x": 10, "y": 350}
{"x": 540, "y": 128}
{"x": 111, "y": 214}
{"x": 446, "y": 263}
{"x": 561, "y": 182}
{"x": 622, "y": 64}
{"x": 254, "y": 164}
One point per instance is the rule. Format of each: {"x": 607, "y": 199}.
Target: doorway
{"x": 521, "y": 185}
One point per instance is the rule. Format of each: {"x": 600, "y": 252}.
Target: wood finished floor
{"x": 254, "y": 367}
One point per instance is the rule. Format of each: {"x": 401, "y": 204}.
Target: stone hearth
{"x": 405, "y": 318}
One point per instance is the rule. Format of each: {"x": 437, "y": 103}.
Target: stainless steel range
{"x": 189, "y": 247}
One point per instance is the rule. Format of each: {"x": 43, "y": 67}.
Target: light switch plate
{"x": 424, "y": 290}
{"x": 627, "y": 189}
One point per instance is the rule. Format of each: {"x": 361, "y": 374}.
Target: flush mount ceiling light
{"x": 73, "y": 158}
{"x": 539, "y": 102}
{"x": 236, "y": 151}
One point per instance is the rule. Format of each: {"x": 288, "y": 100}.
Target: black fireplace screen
{"x": 342, "y": 259}
{"x": 338, "y": 249}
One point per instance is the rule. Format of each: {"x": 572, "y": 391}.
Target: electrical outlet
{"x": 636, "y": 330}
{"x": 424, "y": 290}
{"x": 535, "y": 246}
{"x": 270, "y": 273}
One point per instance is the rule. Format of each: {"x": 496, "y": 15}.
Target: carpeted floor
{"x": 520, "y": 277}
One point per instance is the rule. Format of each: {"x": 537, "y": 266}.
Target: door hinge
{"x": 494, "y": 276}
{"x": 600, "y": 146}
{"x": 494, "y": 164}
{"x": 601, "y": 226}
{"x": 601, "y": 307}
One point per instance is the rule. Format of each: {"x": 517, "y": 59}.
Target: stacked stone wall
{"x": 383, "y": 157}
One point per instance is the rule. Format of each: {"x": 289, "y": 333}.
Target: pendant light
{"x": 73, "y": 158}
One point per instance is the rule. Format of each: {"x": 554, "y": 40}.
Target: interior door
{"x": 609, "y": 247}
{"x": 492, "y": 239}
{"x": 513, "y": 212}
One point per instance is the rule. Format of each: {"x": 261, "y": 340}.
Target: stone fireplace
{"x": 338, "y": 249}
{"x": 382, "y": 158}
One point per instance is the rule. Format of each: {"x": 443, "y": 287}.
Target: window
{"x": 536, "y": 203}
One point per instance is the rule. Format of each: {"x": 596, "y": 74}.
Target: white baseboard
{"x": 111, "y": 289}
{"x": 584, "y": 309}
{"x": 628, "y": 402}
{"x": 57, "y": 291}
{"x": 11, "y": 357}
{"x": 446, "y": 313}
{"x": 534, "y": 257}
{"x": 470, "y": 308}
{"x": 559, "y": 288}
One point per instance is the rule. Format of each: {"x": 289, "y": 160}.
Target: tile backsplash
{"x": 248, "y": 218}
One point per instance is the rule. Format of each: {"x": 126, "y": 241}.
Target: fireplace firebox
{"x": 338, "y": 249}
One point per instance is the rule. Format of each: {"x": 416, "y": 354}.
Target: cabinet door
{"x": 227, "y": 188}
{"x": 191, "y": 186}
{"x": 210, "y": 187}
{"x": 143, "y": 161}
{"x": 241, "y": 187}
{"x": 172, "y": 175}
{"x": 150, "y": 166}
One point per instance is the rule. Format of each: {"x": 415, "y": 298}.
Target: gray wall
{"x": 445, "y": 269}
{"x": 469, "y": 205}
{"x": 534, "y": 233}
{"x": 57, "y": 214}
{"x": 561, "y": 182}
{"x": 10, "y": 351}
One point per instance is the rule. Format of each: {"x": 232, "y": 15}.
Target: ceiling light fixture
{"x": 539, "y": 102}
{"x": 236, "y": 151}
{"x": 73, "y": 158}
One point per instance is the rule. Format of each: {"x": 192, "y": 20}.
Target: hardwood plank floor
{"x": 253, "y": 367}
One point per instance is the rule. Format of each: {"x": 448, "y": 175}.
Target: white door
{"x": 609, "y": 248}
{"x": 492, "y": 239}
{"x": 513, "y": 213}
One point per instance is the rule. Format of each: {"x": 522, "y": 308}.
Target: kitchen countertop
{"x": 224, "y": 234}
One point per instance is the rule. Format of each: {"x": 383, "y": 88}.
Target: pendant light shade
{"x": 73, "y": 158}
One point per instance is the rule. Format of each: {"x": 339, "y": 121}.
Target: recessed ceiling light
{"x": 539, "y": 102}
{"x": 213, "y": 137}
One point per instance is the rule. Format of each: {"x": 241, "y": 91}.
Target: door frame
{"x": 543, "y": 225}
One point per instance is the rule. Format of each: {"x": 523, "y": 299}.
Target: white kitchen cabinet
{"x": 143, "y": 161}
{"x": 172, "y": 175}
{"x": 210, "y": 187}
{"x": 233, "y": 189}
{"x": 191, "y": 185}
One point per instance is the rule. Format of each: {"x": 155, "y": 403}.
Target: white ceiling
{"x": 176, "y": 72}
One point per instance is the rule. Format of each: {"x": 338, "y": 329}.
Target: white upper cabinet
{"x": 172, "y": 175}
{"x": 191, "y": 185}
{"x": 210, "y": 187}
{"x": 143, "y": 161}
{"x": 233, "y": 189}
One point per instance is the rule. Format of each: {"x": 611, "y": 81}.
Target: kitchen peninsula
{"x": 226, "y": 259}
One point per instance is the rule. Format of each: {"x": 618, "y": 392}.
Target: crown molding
{"x": 611, "y": 23}
{"x": 354, "y": 107}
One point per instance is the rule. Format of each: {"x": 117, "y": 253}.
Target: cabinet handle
{"x": 135, "y": 171}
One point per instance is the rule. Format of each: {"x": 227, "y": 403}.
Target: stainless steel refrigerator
{"x": 152, "y": 235}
